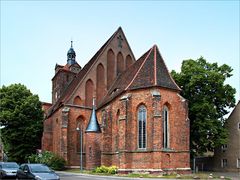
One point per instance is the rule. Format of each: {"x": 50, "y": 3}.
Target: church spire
{"x": 71, "y": 55}
{"x": 93, "y": 126}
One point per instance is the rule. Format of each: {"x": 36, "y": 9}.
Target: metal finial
{"x": 71, "y": 43}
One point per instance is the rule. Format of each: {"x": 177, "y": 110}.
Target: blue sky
{"x": 35, "y": 35}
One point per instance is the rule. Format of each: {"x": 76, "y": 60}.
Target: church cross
{"x": 120, "y": 39}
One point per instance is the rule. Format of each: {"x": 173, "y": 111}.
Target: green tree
{"x": 22, "y": 116}
{"x": 203, "y": 84}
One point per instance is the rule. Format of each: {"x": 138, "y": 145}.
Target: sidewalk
{"x": 232, "y": 175}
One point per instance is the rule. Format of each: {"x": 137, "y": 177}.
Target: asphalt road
{"x": 76, "y": 176}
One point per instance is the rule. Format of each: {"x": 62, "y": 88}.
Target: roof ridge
{"x": 76, "y": 81}
{"x": 117, "y": 84}
{"x": 97, "y": 54}
{"x": 167, "y": 69}
{"x": 139, "y": 69}
{"x": 155, "y": 66}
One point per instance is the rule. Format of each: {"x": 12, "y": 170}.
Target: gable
{"x": 118, "y": 44}
{"x": 148, "y": 71}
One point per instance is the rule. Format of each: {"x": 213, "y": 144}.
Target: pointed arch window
{"x": 165, "y": 127}
{"x": 142, "y": 119}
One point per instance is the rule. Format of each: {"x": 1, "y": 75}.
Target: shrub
{"x": 52, "y": 160}
{"x": 112, "y": 170}
{"x": 105, "y": 169}
{"x": 101, "y": 169}
{"x": 57, "y": 163}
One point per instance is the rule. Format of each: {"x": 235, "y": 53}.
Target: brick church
{"x": 118, "y": 111}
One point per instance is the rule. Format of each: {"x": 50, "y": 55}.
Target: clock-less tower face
{"x": 75, "y": 68}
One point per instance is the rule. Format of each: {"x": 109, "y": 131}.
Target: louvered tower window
{"x": 142, "y": 118}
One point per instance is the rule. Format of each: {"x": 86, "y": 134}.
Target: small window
{"x": 224, "y": 163}
{"x": 21, "y": 167}
{"x": 238, "y": 163}
{"x": 165, "y": 127}
{"x": 224, "y": 147}
{"x": 238, "y": 125}
{"x": 142, "y": 118}
{"x": 25, "y": 168}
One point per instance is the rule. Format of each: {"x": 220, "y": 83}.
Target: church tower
{"x": 64, "y": 74}
{"x": 71, "y": 55}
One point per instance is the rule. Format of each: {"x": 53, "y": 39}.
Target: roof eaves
{"x": 52, "y": 109}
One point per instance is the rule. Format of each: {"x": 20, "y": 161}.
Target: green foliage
{"x": 54, "y": 161}
{"x": 203, "y": 84}
{"x": 57, "y": 163}
{"x": 106, "y": 170}
{"x": 21, "y": 114}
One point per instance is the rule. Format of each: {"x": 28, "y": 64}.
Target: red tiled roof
{"x": 148, "y": 71}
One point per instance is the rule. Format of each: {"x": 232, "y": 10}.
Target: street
{"x": 77, "y": 176}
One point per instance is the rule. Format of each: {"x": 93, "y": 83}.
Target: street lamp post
{"x": 81, "y": 145}
{"x": 1, "y": 143}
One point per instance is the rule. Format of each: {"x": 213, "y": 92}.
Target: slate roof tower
{"x": 93, "y": 125}
{"x": 71, "y": 55}
{"x": 93, "y": 134}
{"x": 64, "y": 75}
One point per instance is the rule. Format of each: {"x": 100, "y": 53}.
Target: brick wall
{"x": 93, "y": 150}
{"x": 118, "y": 145}
{"x": 123, "y": 128}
